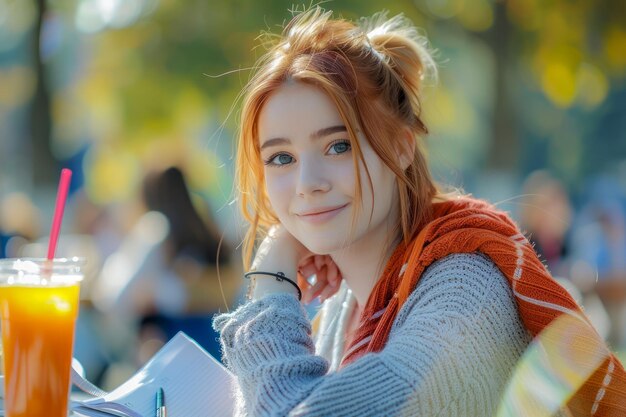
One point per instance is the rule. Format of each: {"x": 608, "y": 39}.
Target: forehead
{"x": 296, "y": 109}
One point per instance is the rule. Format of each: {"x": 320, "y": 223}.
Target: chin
{"x": 324, "y": 245}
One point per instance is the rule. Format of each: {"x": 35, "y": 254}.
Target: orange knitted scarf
{"x": 465, "y": 225}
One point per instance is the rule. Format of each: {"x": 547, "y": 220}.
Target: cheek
{"x": 383, "y": 188}
{"x": 279, "y": 190}
{"x": 343, "y": 176}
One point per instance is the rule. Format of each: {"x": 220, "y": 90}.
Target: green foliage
{"x": 522, "y": 77}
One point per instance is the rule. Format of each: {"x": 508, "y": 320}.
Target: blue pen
{"x": 160, "y": 404}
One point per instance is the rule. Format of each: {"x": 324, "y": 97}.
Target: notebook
{"x": 195, "y": 385}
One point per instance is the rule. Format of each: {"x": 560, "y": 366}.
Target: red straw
{"x": 64, "y": 185}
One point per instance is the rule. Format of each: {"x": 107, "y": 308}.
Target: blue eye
{"x": 340, "y": 146}
{"x": 280, "y": 159}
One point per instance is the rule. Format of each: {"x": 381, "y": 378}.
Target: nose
{"x": 312, "y": 178}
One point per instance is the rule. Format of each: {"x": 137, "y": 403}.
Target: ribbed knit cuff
{"x": 267, "y": 343}
{"x": 258, "y": 332}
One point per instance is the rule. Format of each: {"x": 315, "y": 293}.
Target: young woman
{"x": 429, "y": 298}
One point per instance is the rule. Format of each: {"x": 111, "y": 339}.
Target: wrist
{"x": 276, "y": 253}
{"x": 277, "y": 258}
{"x": 266, "y": 282}
{"x": 262, "y": 285}
{"x": 275, "y": 265}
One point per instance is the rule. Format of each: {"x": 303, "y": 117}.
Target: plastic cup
{"x": 38, "y": 308}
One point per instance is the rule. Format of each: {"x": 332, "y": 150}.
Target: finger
{"x": 312, "y": 292}
{"x": 319, "y": 285}
{"x": 303, "y": 282}
{"x": 333, "y": 274}
{"x": 319, "y": 261}
{"x": 306, "y": 260}
{"x": 328, "y": 292}
{"x": 308, "y": 270}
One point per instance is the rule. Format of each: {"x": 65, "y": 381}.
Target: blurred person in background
{"x": 599, "y": 251}
{"x": 168, "y": 274}
{"x": 545, "y": 217}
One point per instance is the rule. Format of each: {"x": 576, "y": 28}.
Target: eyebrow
{"x": 315, "y": 135}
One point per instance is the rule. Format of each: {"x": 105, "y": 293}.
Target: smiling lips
{"x": 321, "y": 214}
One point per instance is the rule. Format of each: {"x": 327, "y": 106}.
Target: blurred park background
{"x": 529, "y": 112}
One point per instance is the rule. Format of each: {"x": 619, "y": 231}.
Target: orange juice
{"x": 38, "y": 313}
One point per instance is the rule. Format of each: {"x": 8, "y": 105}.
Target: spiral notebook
{"x": 194, "y": 382}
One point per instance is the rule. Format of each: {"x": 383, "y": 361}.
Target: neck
{"x": 362, "y": 263}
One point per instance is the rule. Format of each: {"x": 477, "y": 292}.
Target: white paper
{"x": 195, "y": 385}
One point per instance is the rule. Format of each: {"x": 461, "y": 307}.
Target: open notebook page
{"x": 195, "y": 384}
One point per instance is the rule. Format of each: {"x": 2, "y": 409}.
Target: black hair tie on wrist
{"x": 280, "y": 276}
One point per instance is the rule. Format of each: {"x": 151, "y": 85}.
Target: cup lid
{"x": 41, "y": 271}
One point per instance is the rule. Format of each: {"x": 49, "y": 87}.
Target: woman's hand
{"x": 328, "y": 277}
{"x": 280, "y": 251}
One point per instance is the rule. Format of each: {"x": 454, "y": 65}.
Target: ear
{"x": 407, "y": 148}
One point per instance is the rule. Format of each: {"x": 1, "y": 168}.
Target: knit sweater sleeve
{"x": 450, "y": 352}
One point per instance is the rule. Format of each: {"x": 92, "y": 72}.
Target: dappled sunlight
{"x": 555, "y": 365}
{"x": 95, "y": 15}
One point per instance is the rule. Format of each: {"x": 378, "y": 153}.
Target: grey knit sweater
{"x": 450, "y": 352}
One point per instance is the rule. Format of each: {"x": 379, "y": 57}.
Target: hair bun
{"x": 400, "y": 44}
